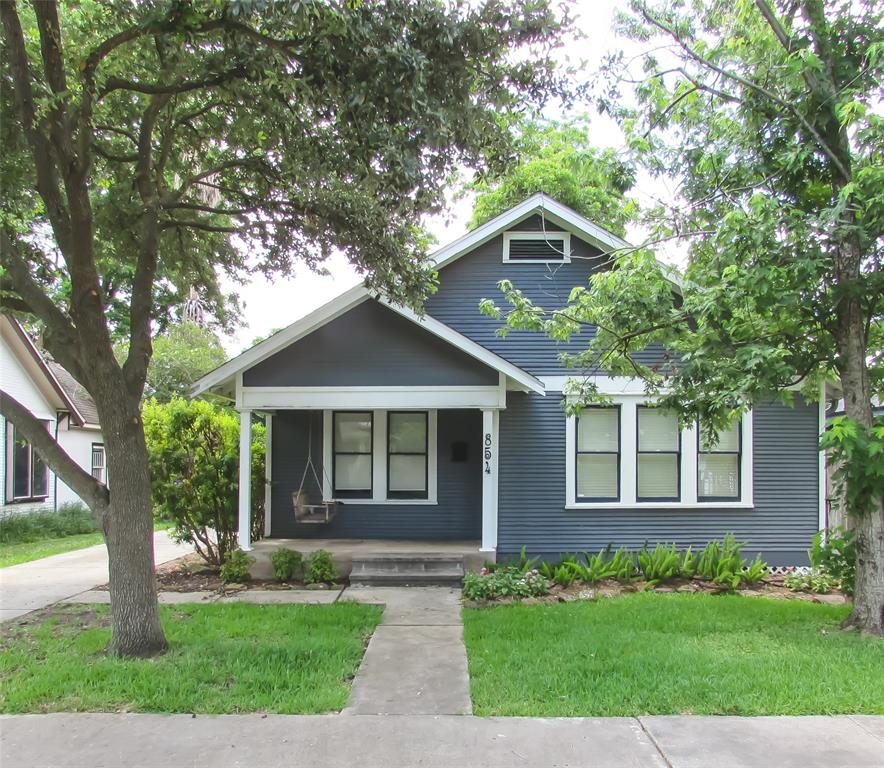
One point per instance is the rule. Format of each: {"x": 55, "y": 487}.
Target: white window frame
{"x": 629, "y": 404}
{"x": 552, "y": 237}
{"x": 379, "y": 458}
{"x": 99, "y": 448}
{"x": 9, "y": 491}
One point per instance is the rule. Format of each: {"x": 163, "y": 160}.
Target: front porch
{"x": 343, "y": 551}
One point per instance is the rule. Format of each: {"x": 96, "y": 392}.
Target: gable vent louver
{"x": 536, "y": 247}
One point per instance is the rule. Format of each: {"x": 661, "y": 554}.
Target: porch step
{"x": 406, "y": 569}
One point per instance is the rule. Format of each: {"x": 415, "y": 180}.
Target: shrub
{"x": 286, "y": 563}
{"x": 320, "y": 568}
{"x": 70, "y": 519}
{"x": 506, "y": 581}
{"x": 235, "y": 568}
{"x": 193, "y": 452}
{"x": 835, "y": 553}
{"x": 659, "y": 564}
{"x": 814, "y": 580}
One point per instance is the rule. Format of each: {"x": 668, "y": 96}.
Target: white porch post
{"x": 245, "y": 480}
{"x": 268, "y": 471}
{"x": 490, "y": 449}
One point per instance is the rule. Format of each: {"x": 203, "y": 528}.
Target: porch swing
{"x": 306, "y": 511}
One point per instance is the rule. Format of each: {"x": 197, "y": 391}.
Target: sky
{"x": 272, "y": 304}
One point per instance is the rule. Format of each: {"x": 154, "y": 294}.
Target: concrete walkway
{"x": 31, "y": 586}
{"x": 416, "y": 662}
{"x": 371, "y": 741}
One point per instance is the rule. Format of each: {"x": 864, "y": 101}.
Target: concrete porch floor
{"x": 343, "y": 550}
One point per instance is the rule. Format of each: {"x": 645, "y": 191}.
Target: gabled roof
{"x": 221, "y": 380}
{"x": 63, "y": 391}
{"x": 552, "y": 211}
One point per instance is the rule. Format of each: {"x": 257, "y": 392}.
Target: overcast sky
{"x": 269, "y": 305}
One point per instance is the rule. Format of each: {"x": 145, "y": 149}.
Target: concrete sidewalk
{"x": 371, "y": 741}
{"x": 31, "y": 586}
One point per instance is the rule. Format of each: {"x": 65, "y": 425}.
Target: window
{"x": 598, "y": 454}
{"x": 718, "y": 466}
{"x": 407, "y": 450}
{"x": 352, "y": 448}
{"x": 98, "y": 470}
{"x": 27, "y": 476}
{"x": 658, "y": 455}
{"x": 537, "y": 247}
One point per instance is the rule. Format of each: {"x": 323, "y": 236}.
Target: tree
{"x": 193, "y": 450}
{"x": 766, "y": 115}
{"x": 149, "y": 147}
{"x": 181, "y": 355}
{"x": 559, "y": 160}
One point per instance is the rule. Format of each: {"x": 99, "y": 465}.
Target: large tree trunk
{"x": 868, "y": 525}
{"x": 128, "y": 529}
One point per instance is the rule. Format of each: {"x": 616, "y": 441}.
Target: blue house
{"x": 382, "y": 424}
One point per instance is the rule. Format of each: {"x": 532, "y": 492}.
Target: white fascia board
{"x": 297, "y": 330}
{"x": 470, "y": 347}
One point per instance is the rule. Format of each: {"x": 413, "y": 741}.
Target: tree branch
{"x": 746, "y": 83}
{"x": 62, "y": 333}
{"x": 168, "y": 89}
{"x": 95, "y": 494}
{"x": 47, "y": 178}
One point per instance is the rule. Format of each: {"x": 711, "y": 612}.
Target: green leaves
{"x": 857, "y": 454}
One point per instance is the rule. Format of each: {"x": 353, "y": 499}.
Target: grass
{"x": 222, "y": 659}
{"x": 25, "y": 551}
{"x": 27, "y": 537}
{"x": 671, "y": 654}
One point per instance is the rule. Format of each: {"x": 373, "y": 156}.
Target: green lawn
{"x": 25, "y": 551}
{"x": 666, "y": 654}
{"x": 222, "y": 659}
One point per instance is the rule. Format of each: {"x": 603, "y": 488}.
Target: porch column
{"x": 245, "y": 480}
{"x": 490, "y": 429}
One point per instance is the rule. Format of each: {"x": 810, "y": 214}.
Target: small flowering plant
{"x": 505, "y": 581}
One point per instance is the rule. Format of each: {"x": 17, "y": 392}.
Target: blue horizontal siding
{"x": 475, "y": 276}
{"x": 456, "y": 516}
{"x": 370, "y": 345}
{"x": 532, "y": 491}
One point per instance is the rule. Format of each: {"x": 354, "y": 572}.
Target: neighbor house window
{"x": 598, "y": 454}
{"x": 352, "y": 448}
{"x": 537, "y": 247}
{"x": 98, "y": 469}
{"x": 407, "y": 453}
{"x": 718, "y": 466}
{"x": 658, "y": 456}
{"x": 27, "y": 476}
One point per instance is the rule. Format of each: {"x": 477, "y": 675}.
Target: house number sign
{"x": 487, "y": 454}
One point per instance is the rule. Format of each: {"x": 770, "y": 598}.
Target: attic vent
{"x": 535, "y": 247}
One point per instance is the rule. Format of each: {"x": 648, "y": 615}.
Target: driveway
{"x": 31, "y": 586}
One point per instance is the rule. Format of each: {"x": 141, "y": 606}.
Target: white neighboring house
{"x": 52, "y": 395}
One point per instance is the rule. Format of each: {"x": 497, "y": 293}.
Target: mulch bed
{"x": 191, "y": 574}
{"x": 772, "y": 587}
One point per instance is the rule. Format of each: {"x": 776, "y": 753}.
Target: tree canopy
{"x": 183, "y": 353}
{"x": 768, "y": 117}
{"x": 559, "y": 160}
{"x": 151, "y": 147}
